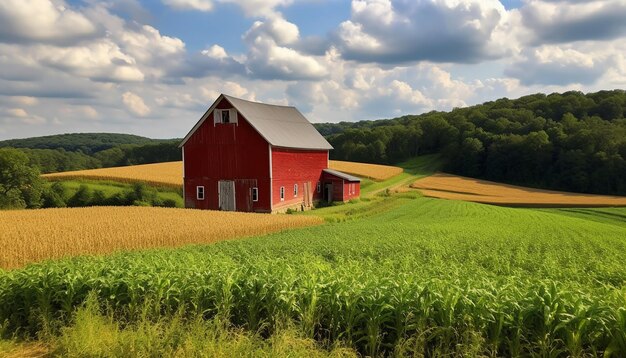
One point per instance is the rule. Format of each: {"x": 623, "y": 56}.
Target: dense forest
{"x": 570, "y": 141}
{"x": 76, "y": 151}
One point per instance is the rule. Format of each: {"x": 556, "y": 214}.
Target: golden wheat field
{"x": 170, "y": 174}
{"x": 446, "y": 186}
{"x": 36, "y": 235}
{"x": 372, "y": 171}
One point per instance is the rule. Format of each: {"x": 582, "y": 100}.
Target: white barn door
{"x": 227, "y": 195}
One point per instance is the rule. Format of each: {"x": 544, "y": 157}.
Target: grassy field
{"x": 111, "y": 187}
{"x": 395, "y": 274}
{"x": 36, "y": 235}
{"x": 447, "y": 186}
{"x": 171, "y": 174}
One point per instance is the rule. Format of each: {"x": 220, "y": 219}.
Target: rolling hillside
{"x": 439, "y": 185}
{"x": 447, "y": 186}
{"x": 88, "y": 143}
{"x": 483, "y": 280}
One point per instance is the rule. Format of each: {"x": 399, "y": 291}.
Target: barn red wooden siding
{"x": 231, "y": 151}
{"x": 240, "y": 155}
{"x": 291, "y": 167}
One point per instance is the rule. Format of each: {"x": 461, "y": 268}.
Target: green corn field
{"x": 428, "y": 277}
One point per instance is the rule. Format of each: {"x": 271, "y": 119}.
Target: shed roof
{"x": 280, "y": 126}
{"x": 341, "y": 175}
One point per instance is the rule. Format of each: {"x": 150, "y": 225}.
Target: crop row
{"x": 363, "y": 304}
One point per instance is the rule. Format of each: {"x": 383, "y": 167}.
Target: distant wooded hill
{"x": 88, "y": 143}
{"x": 570, "y": 141}
{"x": 78, "y": 151}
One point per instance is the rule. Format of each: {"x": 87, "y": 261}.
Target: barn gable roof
{"x": 280, "y": 126}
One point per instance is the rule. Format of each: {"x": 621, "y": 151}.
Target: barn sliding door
{"x": 227, "y": 195}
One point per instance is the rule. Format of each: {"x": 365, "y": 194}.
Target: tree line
{"x": 570, "y": 141}
{"x": 78, "y": 151}
{"x": 61, "y": 160}
{"x": 21, "y": 186}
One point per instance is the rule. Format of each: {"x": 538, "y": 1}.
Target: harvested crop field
{"x": 373, "y": 171}
{"x": 170, "y": 174}
{"x": 36, "y": 235}
{"x": 447, "y": 186}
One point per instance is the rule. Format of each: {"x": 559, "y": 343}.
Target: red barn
{"x": 250, "y": 156}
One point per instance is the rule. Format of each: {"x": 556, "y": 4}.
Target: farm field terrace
{"x": 447, "y": 186}
{"x": 170, "y": 174}
{"x": 422, "y": 277}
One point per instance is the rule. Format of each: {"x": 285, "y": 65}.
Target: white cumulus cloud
{"x": 42, "y": 21}
{"x": 402, "y": 31}
{"x": 201, "y": 5}
{"x": 135, "y": 104}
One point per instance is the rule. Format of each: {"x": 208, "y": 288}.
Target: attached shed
{"x": 250, "y": 156}
{"x": 340, "y": 186}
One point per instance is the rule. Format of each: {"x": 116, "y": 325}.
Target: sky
{"x": 152, "y": 68}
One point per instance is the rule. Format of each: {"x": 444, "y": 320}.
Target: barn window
{"x": 225, "y": 116}
{"x": 200, "y": 192}
{"x": 319, "y": 187}
{"x": 295, "y": 190}
{"x": 282, "y": 193}
{"x": 255, "y": 194}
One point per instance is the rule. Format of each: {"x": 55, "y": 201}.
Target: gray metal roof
{"x": 341, "y": 175}
{"x": 280, "y": 126}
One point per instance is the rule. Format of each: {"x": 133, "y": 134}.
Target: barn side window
{"x": 295, "y": 190}
{"x": 282, "y": 193}
{"x": 319, "y": 187}
{"x": 200, "y": 192}
{"x": 225, "y": 116}
{"x": 255, "y": 194}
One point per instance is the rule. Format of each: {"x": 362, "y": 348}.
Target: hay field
{"x": 36, "y": 235}
{"x": 373, "y": 171}
{"x": 447, "y": 186}
{"x": 170, "y": 174}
